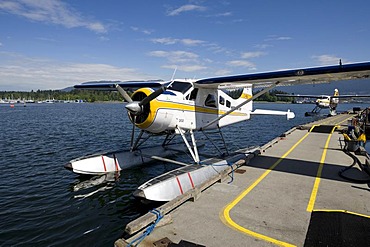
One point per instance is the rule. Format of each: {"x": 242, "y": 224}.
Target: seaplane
{"x": 324, "y": 101}
{"x": 183, "y": 107}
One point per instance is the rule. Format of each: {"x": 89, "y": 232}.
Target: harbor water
{"x": 43, "y": 204}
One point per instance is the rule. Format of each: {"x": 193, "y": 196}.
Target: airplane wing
{"x": 350, "y": 96}
{"x": 111, "y": 85}
{"x": 303, "y": 96}
{"x": 292, "y": 77}
{"x": 322, "y": 96}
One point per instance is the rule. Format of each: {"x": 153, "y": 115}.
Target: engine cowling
{"x": 155, "y": 116}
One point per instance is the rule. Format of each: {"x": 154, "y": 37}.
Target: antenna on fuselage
{"x": 173, "y": 75}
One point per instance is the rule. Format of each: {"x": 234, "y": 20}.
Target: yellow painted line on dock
{"x": 317, "y": 182}
{"x": 315, "y": 189}
{"x": 225, "y": 213}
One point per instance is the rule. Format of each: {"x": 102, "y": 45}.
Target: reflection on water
{"x": 88, "y": 186}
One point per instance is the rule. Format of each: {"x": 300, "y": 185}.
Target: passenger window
{"x": 221, "y": 100}
{"x": 193, "y": 94}
{"x": 228, "y": 104}
{"x": 210, "y": 101}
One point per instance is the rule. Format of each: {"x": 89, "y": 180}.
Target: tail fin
{"x": 246, "y": 93}
{"x": 336, "y": 92}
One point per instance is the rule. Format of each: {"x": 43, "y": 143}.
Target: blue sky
{"x": 52, "y": 44}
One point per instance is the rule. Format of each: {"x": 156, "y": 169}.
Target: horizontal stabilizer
{"x": 303, "y": 96}
{"x": 288, "y": 113}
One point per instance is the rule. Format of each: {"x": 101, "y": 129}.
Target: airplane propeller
{"x": 153, "y": 95}
{"x": 136, "y": 107}
{"x": 124, "y": 93}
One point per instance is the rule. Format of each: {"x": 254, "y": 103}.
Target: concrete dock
{"x": 272, "y": 199}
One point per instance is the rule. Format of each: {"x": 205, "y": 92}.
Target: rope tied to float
{"x": 149, "y": 229}
{"x": 232, "y": 170}
{"x": 232, "y": 173}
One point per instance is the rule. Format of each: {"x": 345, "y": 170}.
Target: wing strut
{"x": 243, "y": 103}
{"x": 194, "y": 151}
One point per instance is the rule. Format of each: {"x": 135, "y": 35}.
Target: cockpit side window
{"x": 180, "y": 86}
{"x": 193, "y": 94}
{"x": 210, "y": 101}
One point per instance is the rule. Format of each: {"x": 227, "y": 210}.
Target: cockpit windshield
{"x": 180, "y": 86}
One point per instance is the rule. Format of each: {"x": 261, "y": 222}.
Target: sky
{"x": 54, "y": 44}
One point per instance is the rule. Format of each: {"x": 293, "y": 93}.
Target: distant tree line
{"x": 86, "y": 95}
{"x": 96, "y": 95}
{"x": 271, "y": 96}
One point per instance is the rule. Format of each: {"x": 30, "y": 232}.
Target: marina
{"x": 299, "y": 191}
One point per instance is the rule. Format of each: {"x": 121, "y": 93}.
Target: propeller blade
{"x": 152, "y": 96}
{"x": 124, "y": 93}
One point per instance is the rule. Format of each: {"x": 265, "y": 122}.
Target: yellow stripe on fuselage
{"x": 156, "y": 105}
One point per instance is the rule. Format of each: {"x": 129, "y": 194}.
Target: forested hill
{"x": 94, "y": 95}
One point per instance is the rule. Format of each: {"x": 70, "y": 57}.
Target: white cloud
{"x": 223, "y": 14}
{"x": 51, "y": 11}
{"x": 222, "y": 72}
{"x": 180, "y": 60}
{"x": 186, "y": 68}
{"x": 283, "y": 38}
{"x": 278, "y": 38}
{"x": 176, "y": 56}
{"x": 247, "y": 55}
{"x": 262, "y": 46}
{"x": 172, "y": 41}
{"x": 327, "y": 59}
{"x": 18, "y": 72}
{"x": 165, "y": 41}
{"x": 191, "y": 42}
{"x": 141, "y": 30}
{"x": 186, "y": 8}
{"x": 242, "y": 63}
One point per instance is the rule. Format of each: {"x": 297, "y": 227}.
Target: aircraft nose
{"x": 133, "y": 107}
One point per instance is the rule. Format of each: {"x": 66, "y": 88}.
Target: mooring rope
{"x": 232, "y": 170}
{"x": 148, "y": 230}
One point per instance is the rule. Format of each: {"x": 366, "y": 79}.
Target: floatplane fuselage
{"x": 184, "y": 107}
{"x": 180, "y": 109}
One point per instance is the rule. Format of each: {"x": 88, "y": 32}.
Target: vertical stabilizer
{"x": 336, "y": 92}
